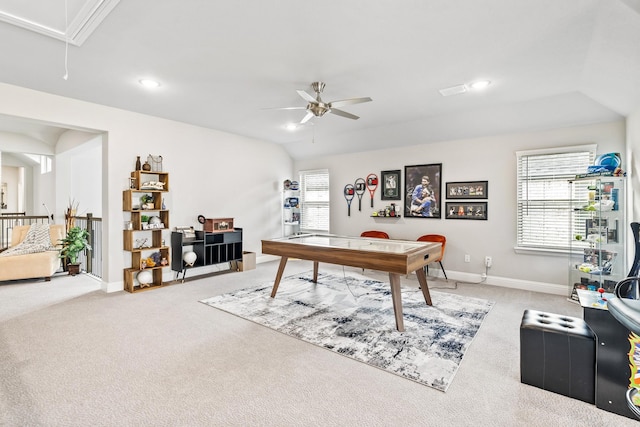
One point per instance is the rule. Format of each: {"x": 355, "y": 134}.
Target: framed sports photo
{"x": 466, "y": 210}
{"x": 423, "y": 187}
{"x": 468, "y": 190}
{"x": 390, "y": 185}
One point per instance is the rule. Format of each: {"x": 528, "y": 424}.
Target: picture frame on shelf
{"x": 423, "y": 188}
{"x": 467, "y": 190}
{"x": 391, "y": 184}
{"x": 466, "y": 210}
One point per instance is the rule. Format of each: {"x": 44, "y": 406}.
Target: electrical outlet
{"x": 467, "y": 258}
{"x": 487, "y": 261}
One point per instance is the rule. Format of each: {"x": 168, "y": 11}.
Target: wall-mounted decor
{"x": 467, "y": 190}
{"x": 390, "y": 185}
{"x": 349, "y": 192}
{"x": 466, "y": 210}
{"x": 3, "y": 195}
{"x": 372, "y": 185}
{"x": 360, "y": 186}
{"x": 423, "y": 187}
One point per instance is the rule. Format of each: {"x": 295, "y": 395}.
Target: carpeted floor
{"x": 72, "y": 355}
{"x": 353, "y": 316}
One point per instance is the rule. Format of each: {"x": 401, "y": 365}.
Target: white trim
{"x": 86, "y": 21}
{"x": 558, "y": 150}
{"x": 505, "y": 282}
{"x": 539, "y": 251}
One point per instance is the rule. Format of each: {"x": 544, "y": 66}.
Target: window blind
{"x": 545, "y": 209}
{"x": 314, "y": 200}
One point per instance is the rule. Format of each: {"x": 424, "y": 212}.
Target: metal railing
{"x": 90, "y": 261}
{"x": 13, "y": 219}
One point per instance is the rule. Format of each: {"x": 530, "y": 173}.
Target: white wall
{"x": 78, "y": 169}
{"x": 212, "y": 173}
{"x": 11, "y": 175}
{"x": 492, "y": 159}
{"x": 222, "y": 175}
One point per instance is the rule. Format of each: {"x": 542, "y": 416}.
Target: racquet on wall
{"x": 372, "y": 184}
{"x": 360, "y": 188}
{"x": 348, "y": 196}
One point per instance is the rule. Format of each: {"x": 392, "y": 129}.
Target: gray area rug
{"x": 353, "y": 316}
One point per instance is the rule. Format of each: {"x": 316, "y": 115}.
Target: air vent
{"x": 453, "y": 90}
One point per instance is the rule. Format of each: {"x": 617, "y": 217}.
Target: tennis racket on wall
{"x": 348, "y": 196}
{"x": 360, "y": 188}
{"x": 372, "y": 184}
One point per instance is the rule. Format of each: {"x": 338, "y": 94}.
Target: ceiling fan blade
{"x": 306, "y": 96}
{"x": 285, "y": 108}
{"x": 343, "y": 114}
{"x": 306, "y": 118}
{"x": 350, "y": 101}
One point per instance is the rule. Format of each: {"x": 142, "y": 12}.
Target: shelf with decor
{"x": 290, "y": 208}
{"x": 206, "y": 248}
{"x": 597, "y": 235}
{"x": 143, "y": 232}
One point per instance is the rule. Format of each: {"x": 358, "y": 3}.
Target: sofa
{"x": 33, "y": 265}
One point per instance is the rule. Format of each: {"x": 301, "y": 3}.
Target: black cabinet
{"x": 612, "y": 359}
{"x": 210, "y": 249}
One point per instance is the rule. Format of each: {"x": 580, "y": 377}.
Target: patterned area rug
{"x": 353, "y": 316}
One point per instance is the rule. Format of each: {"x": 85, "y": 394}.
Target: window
{"x": 314, "y": 200}
{"x": 544, "y": 200}
{"x": 45, "y": 162}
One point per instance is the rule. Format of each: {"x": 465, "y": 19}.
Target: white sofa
{"x": 31, "y": 266}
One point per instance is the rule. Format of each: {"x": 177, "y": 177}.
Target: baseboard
{"x": 109, "y": 287}
{"x": 506, "y": 282}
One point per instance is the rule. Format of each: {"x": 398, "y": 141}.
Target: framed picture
{"x": 467, "y": 190}
{"x": 390, "y": 185}
{"x": 423, "y": 187}
{"x": 466, "y": 210}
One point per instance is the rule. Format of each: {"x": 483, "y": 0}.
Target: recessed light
{"x": 149, "y": 83}
{"x": 480, "y": 84}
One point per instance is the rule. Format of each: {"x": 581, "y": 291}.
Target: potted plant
{"x": 147, "y": 202}
{"x": 74, "y": 243}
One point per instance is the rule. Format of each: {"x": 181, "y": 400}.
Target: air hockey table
{"x": 396, "y": 257}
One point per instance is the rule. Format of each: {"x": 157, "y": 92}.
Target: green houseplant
{"x": 74, "y": 243}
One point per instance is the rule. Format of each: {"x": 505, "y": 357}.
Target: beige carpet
{"x": 70, "y": 357}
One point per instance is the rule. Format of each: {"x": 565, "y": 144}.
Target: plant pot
{"x": 73, "y": 269}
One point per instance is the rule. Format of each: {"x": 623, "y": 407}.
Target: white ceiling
{"x": 226, "y": 65}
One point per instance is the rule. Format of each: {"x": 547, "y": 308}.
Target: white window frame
{"x": 544, "y": 196}
{"x": 314, "y": 201}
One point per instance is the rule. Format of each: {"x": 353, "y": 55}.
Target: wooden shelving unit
{"x": 142, "y": 240}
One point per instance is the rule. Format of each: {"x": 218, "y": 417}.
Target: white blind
{"x": 314, "y": 200}
{"x": 545, "y": 199}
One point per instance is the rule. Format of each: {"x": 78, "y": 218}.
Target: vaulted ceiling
{"x": 228, "y": 65}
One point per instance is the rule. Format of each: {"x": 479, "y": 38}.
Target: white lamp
{"x": 145, "y": 277}
{"x": 189, "y": 258}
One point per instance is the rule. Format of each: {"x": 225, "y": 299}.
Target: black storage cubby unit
{"x": 210, "y": 248}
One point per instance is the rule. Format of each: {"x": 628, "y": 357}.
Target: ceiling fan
{"x": 317, "y": 107}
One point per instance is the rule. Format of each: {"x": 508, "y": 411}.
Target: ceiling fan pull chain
{"x": 66, "y": 42}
